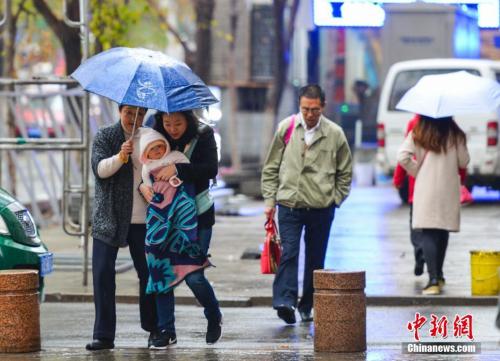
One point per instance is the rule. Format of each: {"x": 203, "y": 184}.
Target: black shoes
{"x": 286, "y": 313}
{"x": 419, "y": 268}
{"x": 100, "y": 344}
{"x": 152, "y": 336}
{"x": 214, "y": 331}
{"x": 163, "y": 340}
{"x": 305, "y": 316}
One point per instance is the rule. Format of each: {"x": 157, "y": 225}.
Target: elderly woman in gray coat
{"x": 432, "y": 153}
{"x": 118, "y": 221}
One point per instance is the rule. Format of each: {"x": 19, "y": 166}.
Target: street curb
{"x": 267, "y": 301}
{"x": 129, "y": 299}
{"x": 431, "y": 301}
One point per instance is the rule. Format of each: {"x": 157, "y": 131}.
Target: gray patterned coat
{"x": 114, "y": 195}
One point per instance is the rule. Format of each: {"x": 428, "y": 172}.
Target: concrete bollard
{"x": 19, "y": 311}
{"x": 339, "y": 311}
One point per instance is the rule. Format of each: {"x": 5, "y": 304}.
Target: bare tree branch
{"x": 162, "y": 18}
{"x": 52, "y": 21}
{"x": 68, "y": 36}
{"x": 21, "y": 8}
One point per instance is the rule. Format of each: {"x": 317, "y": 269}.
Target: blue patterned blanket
{"x": 172, "y": 249}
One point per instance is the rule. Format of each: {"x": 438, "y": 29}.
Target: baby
{"x": 156, "y": 154}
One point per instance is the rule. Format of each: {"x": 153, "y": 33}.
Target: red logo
{"x": 439, "y": 326}
{"x": 416, "y": 325}
{"x": 462, "y": 326}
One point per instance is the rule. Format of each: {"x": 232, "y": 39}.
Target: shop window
{"x": 252, "y": 99}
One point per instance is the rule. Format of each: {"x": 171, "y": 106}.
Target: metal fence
{"x": 46, "y": 113}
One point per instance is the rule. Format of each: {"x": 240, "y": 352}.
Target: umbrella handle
{"x": 133, "y": 130}
{"x": 135, "y": 122}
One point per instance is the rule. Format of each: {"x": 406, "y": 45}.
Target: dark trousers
{"x": 317, "y": 224}
{"x": 434, "y": 244}
{"x": 497, "y": 320}
{"x": 103, "y": 274}
{"x": 416, "y": 241}
{"x": 165, "y": 306}
{"x": 199, "y": 285}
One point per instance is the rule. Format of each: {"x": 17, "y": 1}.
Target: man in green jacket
{"x": 307, "y": 174}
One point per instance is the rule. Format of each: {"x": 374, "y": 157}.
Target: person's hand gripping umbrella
{"x": 134, "y": 127}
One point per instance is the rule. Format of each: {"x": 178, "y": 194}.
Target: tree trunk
{"x": 204, "y": 14}
{"x": 72, "y": 49}
{"x": 276, "y": 88}
{"x": 280, "y": 48}
{"x": 284, "y": 36}
{"x": 68, "y": 36}
{"x": 232, "y": 119}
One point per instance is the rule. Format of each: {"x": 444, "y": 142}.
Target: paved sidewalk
{"x": 370, "y": 233}
{"x": 250, "y": 334}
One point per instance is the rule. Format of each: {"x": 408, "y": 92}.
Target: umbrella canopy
{"x": 450, "y": 94}
{"x": 143, "y": 78}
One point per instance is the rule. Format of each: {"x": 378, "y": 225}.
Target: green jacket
{"x": 317, "y": 176}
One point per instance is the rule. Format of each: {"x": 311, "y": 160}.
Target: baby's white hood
{"x": 149, "y": 136}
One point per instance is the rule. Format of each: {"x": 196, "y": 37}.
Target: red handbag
{"x": 271, "y": 253}
{"x": 465, "y": 196}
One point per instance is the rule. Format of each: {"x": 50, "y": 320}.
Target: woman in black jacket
{"x": 185, "y": 134}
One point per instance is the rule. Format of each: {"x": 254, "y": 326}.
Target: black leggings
{"x": 434, "y": 243}
{"x": 416, "y": 241}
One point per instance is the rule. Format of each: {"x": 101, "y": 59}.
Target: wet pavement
{"x": 370, "y": 232}
{"x": 251, "y": 333}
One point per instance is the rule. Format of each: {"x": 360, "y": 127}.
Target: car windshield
{"x": 406, "y": 79}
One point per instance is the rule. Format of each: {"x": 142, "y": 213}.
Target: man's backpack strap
{"x": 289, "y": 130}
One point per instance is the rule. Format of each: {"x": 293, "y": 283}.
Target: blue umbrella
{"x": 144, "y": 78}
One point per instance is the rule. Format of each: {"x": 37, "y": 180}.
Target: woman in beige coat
{"x": 432, "y": 153}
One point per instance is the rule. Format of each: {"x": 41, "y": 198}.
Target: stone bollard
{"x": 19, "y": 311}
{"x": 339, "y": 311}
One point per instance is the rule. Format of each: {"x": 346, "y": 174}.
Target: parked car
{"x": 481, "y": 129}
{"x": 20, "y": 243}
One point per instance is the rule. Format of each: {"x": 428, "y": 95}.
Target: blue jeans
{"x": 317, "y": 223}
{"x": 200, "y": 287}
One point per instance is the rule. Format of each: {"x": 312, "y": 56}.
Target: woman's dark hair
{"x": 120, "y": 107}
{"x": 191, "y": 130}
{"x": 437, "y": 134}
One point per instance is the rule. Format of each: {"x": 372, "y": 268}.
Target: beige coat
{"x": 436, "y": 197}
